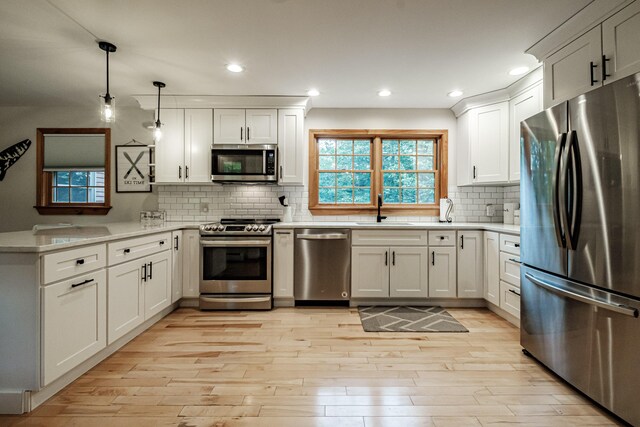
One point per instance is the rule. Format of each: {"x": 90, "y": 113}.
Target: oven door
{"x": 235, "y": 265}
{"x": 255, "y": 164}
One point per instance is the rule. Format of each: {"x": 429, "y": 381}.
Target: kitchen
{"x": 377, "y": 277}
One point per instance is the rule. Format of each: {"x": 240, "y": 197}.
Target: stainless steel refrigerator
{"x": 580, "y": 226}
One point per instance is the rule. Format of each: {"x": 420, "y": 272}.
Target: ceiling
{"x": 348, "y": 49}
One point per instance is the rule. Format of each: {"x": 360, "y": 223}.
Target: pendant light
{"x": 157, "y": 132}
{"x": 107, "y": 105}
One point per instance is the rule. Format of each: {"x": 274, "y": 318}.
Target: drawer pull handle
{"x": 514, "y": 292}
{"x": 79, "y": 261}
{"x": 126, "y": 251}
{"x": 515, "y": 260}
{"x": 441, "y": 237}
{"x": 82, "y": 283}
{"x": 161, "y": 242}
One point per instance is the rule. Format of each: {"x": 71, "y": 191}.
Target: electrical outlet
{"x": 204, "y": 207}
{"x": 491, "y": 210}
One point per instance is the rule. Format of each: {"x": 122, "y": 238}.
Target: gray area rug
{"x": 408, "y": 319}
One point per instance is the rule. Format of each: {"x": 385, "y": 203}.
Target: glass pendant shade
{"x": 157, "y": 132}
{"x": 107, "y": 108}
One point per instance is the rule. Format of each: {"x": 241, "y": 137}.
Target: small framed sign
{"x": 132, "y": 169}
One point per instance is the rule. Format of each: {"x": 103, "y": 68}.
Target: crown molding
{"x": 150, "y": 102}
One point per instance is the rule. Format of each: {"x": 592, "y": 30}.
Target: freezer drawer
{"x": 589, "y": 337}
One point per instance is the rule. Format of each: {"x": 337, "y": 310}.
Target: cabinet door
{"x": 465, "y": 168}
{"x": 442, "y": 272}
{"x": 492, "y": 267}
{"x": 198, "y": 137}
{"x": 408, "y": 273}
{"x": 74, "y": 323}
{"x": 510, "y": 299}
{"x": 283, "y": 264}
{"x": 369, "y": 272}
{"x": 470, "y": 264}
{"x": 262, "y": 126}
{"x": 191, "y": 264}
{"x": 169, "y": 151}
{"x": 567, "y": 72}
{"x": 521, "y": 107}
{"x": 291, "y": 147}
{"x": 229, "y": 126}
{"x": 157, "y": 286}
{"x": 176, "y": 266}
{"x": 489, "y": 135}
{"x": 620, "y": 42}
{"x": 126, "y": 299}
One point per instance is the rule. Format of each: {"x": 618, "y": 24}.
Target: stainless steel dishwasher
{"x": 322, "y": 264}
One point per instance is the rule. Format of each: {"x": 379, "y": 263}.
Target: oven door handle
{"x": 235, "y": 243}
{"x": 249, "y": 299}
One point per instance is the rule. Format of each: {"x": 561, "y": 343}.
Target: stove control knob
{"x": 207, "y": 228}
{"x": 254, "y": 228}
{"x": 247, "y": 228}
{"x": 261, "y": 228}
{"x": 220, "y": 227}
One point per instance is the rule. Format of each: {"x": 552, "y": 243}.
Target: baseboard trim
{"x": 284, "y": 302}
{"x": 14, "y": 402}
{"x": 506, "y": 316}
{"x": 191, "y": 302}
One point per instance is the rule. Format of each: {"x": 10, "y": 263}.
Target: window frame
{"x": 376, "y": 136}
{"x": 44, "y": 179}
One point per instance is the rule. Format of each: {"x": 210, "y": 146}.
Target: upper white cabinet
{"x": 602, "y": 55}
{"x": 291, "y": 146}
{"x": 523, "y": 106}
{"x": 484, "y": 144}
{"x": 183, "y": 152}
{"x": 245, "y": 126}
{"x": 470, "y": 264}
{"x": 621, "y": 41}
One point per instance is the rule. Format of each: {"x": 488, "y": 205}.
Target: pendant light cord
{"x": 108, "y": 95}
{"x": 158, "y": 122}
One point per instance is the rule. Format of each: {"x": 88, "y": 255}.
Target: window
{"x": 73, "y": 171}
{"x": 349, "y": 168}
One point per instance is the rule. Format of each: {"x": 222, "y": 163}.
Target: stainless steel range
{"x": 236, "y": 264}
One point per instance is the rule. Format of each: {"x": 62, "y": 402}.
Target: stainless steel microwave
{"x": 244, "y": 163}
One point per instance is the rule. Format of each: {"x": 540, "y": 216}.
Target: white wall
{"x": 18, "y": 189}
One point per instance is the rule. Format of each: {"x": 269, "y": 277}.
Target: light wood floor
{"x": 315, "y": 367}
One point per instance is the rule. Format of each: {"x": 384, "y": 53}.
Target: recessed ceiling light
{"x": 518, "y": 71}
{"x": 455, "y": 93}
{"x": 313, "y": 92}
{"x": 235, "y": 68}
{"x": 384, "y": 92}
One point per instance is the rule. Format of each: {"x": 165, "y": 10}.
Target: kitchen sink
{"x": 384, "y": 223}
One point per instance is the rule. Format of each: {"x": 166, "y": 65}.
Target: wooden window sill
{"x": 73, "y": 210}
{"x": 387, "y": 210}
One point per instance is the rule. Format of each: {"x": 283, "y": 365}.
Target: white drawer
{"x": 442, "y": 238}
{"x": 389, "y": 238}
{"x": 510, "y": 299}
{"x": 127, "y": 250}
{"x": 65, "y": 264}
{"x": 510, "y": 268}
{"x": 510, "y": 243}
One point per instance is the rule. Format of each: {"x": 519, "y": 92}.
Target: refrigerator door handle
{"x": 557, "y": 182}
{"x": 618, "y": 308}
{"x": 575, "y": 168}
{"x": 563, "y": 191}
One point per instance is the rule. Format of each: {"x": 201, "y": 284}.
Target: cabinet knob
{"x": 79, "y": 261}
{"x": 126, "y": 251}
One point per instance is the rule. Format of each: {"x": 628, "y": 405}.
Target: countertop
{"x": 62, "y": 238}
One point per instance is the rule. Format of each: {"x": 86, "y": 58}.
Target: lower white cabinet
{"x": 510, "y": 299}
{"x": 381, "y": 272}
{"x": 74, "y": 323}
{"x": 492, "y": 267}
{"x": 510, "y": 268}
{"x": 442, "y": 272}
{"x": 470, "y": 264}
{"x": 283, "y": 264}
{"x": 191, "y": 263}
{"x": 138, "y": 290}
{"x": 176, "y": 266}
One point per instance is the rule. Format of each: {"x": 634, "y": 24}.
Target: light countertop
{"x": 62, "y": 238}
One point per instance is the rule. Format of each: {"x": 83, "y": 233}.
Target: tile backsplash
{"x": 188, "y": 203}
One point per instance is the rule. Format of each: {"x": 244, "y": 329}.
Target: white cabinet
{"x": 620, "y": 41}
{"x": 74, "y": 323}
{"x": 470, "y": 264}
{"x": 183, "y": 152}
{"x": 126, "y": 298}
{"x": 408, "y": 273}
{"x": 483, "y": 150}
{"x": 245, "y": 126}
{"x": 291, "y": 147}
{"x": 442, "y": 272}
{"x": 283, "y": 264}
{"x": 176, "y": 266}
{"x": 521, "y": 107}
{"x": 510, "y": 268}
{"x": 492, "y": 267}
{"x": 157, "y": 285}
{"x": 69, "y": 263}
{"x": 382, "y": 272}
{"x": 510, "y": 299}
{"x": 191, "y": 264}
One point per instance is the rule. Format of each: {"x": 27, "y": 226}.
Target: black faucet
{"x": 379, "y": 218}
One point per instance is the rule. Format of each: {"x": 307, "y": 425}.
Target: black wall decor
{"x": 11, "y": 155}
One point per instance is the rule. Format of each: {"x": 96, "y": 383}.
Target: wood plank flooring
{"x": 315, "y": 367}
